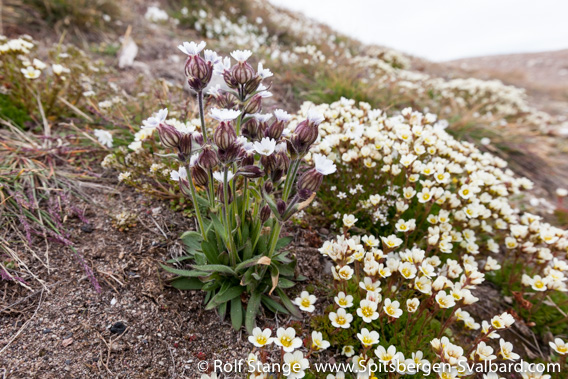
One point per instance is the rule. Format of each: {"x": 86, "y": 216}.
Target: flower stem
{"x": 202, "y": 115}
{"x": 195, "y": 204}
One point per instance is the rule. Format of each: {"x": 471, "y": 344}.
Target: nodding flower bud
{"x": 251, "y": 172}
{"x": 252, "y": 85}
{"x": 198, "y": 72}
{"x": 185, "y": 145}
{"x": 230, "y": 154}
{"x": 281, "y": 206}
{"x": 269, "y": 162}
{"x": 264, "y": 214}
{"x": 251, "y": 129}
{"x": 275, "y": 130}
{"x": 242, "y": 72}
{"x": 222, "y": 195}
{"x": 198, "y": 138}
{"x": 225, "y": 135}
{"x": 268, "y": 187}
{"x": 283, "y": 161}
{"x": 169, "y": 136}
{"x": 247, "y": 158}
{"x": 208, "y": 158}
{"x": 230, "y": 79}
{"x": 311, "y": 180}
{"x": 304, "y": 136}
{"x": 254, "y": 105}
{"x": 184, "y": 187}
{"x": 304, "y": 194}
{"x": 199, "y": 176}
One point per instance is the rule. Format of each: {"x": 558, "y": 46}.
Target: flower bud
{"x": 251, "y": 129}
{"x": 225, "y": 135}
{"x": 222, "y": 195}
{"x": 199, "y": 176}
{"x": 264, "y": 214}
{"x": 281, "y": 206}
{"x": 268, "y": 187}
{"x": 247, "y": 158}
{"x": 304, "y": 136}
{"x": 230, "y": 79}
{"x": 208, "y": 158}
{"x": 231, "y": 154}
{"x": 242, "y": 72}
{"x": 252, "y": 85}
{"x": 198, "y": 138}
{"x": 169, "y": 136}
{"x": 304, "y": 194}
{"x": 185, "y": 145}
{"x": 184, "y": 187}
{"x": 251, "y": 172}
{"x": 198, "y": 72}
{"x": 275, "y": 130}
{"x": 254, "y": 105}
{"x": 311, "y": 180}
{"x": 269, "y": 162}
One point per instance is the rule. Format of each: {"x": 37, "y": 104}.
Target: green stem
{"x": 195, "y": 203}
{"x": 290, "y": 178}
{"x": 228, "y": 225}
{"x": 202, "y": 115}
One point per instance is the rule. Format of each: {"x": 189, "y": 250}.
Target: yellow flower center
{"x": 306, "y": 302}
{"x": 340, "y": 320}
{"x": 261, "y": 340}
{"x": 286, "y": 341}
{"x": 562, "y": 349}
{"x": 367, "y": 311}
{"x": 465, "y": 192}
{"x": 343, "y": 302}
{"x": 367, "y": 340}
{"x": 390, "y": 310}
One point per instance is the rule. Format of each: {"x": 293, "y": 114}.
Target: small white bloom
{"x": 260, "y": 338}
{"x": 306, "y": 301}
{"x": 263, "y": 72}
{"x": 265, "y": 147}
{"x": 241, "y": 55}
{"x": 219, "y": 176}
{"x": 224, "y": 114}
{"x": 104, "y": 137}
{"x": 315, "y": 117}
{"x": 282, "y": 115}
{"x": 30, "y": 72}
{"x": 192, "y": 48}
{"x": 323, "y": 165}
{"x": 155, "y": 121}
{"x": 179, "y": 174}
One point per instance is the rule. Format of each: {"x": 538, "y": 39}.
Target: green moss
{"x": 13, "y": 111}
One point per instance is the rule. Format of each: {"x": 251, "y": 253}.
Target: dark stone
{"x": 87, "y": 228}
{"x": 118, "y": 328}
{"x": 46, "y": 330}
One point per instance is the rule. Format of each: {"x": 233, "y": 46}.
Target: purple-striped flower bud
{"x": 311, "y": 180}
{"x": 199, "y": 176}
{"x": 186, "y": 144}
{"x": 251, "y": 172}
{"x": 304, "y": 136}
{"x": 247, "y": 158}
{"x": 254, "y": 105}
{"x": 251, "y": 129}
{"x": 225, "y": 135}
{"x": 264, "y": 214}
{"x": 221, "y": 194}
{"x": 281, "y": 206}
{"x": 208, "y": 158}
{"x": 184, "y": 187}
{"x": 169, "y": 136}
{"x": 198, "y": 138}
{"x": 198, "y": 72}
{"x": 268, "y": 187}
{"x": 275, "y": 130}
{"x": 243, "y": 72}
{"x": 252, "y": 85}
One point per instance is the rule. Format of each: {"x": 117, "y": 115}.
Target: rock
{"x": 118, "y": 328}
{"x": 87, "y": 228}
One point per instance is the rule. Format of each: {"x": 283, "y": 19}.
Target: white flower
{"x": 344, "y": 301}
{"x": 263, "y": 72}
{"x": 39, "y": 64}
{"x": 104, "y": 137}
{"x": 392, "y": 308}
{"x": 260, "y": 338}
{"x": 192, "y": 48}
{"x": 349, "y": 221}
{"x": 282, "y": 115}
{"x": 297, "y": 364}
{"x": 265, "y": 147}
{"x": 59, "y": 69}
{"x": 155, "y": 121}
{"x": 220, "y": 67}
{"x": 318, "y": 343}
{"x": 30, "y": 72}
{"x": 214, "y": 90}
{"x": 219, "y": 176}
{"x": 211, "y": 56}
{"x": 559, "y": 346}
{"x": 341, "y": 319}
{"x": 560, "y": 192}
{"x": 262, "y": 117}
{"x": 286, "y": 338}
{"x": 241, "y": 55}
{"x": 179, "y": 174}
{"x": 368, "y": 338}
{"x": 224, "y": 114}
{"x": 323, "y": 165}
{"x": 306, "y": 301}
{"x": 367, "y": 311}
{"x": 315, "y": 117}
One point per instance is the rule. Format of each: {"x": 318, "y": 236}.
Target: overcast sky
{"x": 446, "y": 29}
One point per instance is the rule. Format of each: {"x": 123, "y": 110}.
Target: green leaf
{"x": 191, "y": 240}
{"x": 186, "y": 273}
{"x": 179, "y": 259}
{"x": 282, "y": 242}
{"x": 258, "y": 260}
{"x": 286, "y": 270}
{"x": 224, "y": 296}
{"x": 273, "y": 305}
{"x": 271, "y": 203}
{"x": 237, "y": 313}
{"x": 285, "y": 283}
{"x": 219, "y": 228}
{"x": 187, "y": 283}
{"x": 215, "y": 268}
{"x": 274, "y": 274}
{"x": 210, "y": 286}
{"x": 247, "y": 252}
{"x": 252, "y": 309}
{"x": 210, "y": 250}
{"x": 288, "y": 303}
{"x": 222, "y": 310}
